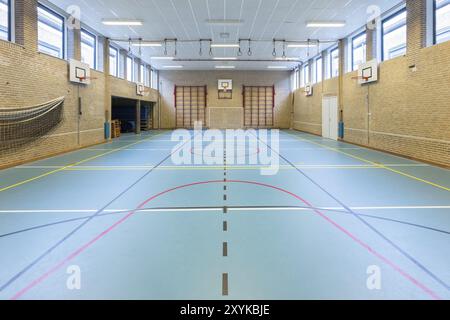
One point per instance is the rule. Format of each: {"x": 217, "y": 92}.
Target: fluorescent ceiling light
{"x": 225, "y": 67}
{"x": 225, "y": 58}
{"x": 225, "y": 45}
{"x": 302, "y": 45}
{"x": 277, "y": 67}
{"x": 162, "y": 58}
{"x": 224, "y": 21}
{"x": 121, "y": 22}
{"x": 147, "y": 44}
{"x": 326, "y": 24}
{"x": 173, "y": 67}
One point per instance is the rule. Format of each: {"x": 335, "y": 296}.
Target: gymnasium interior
{"x": 225, "y": 150}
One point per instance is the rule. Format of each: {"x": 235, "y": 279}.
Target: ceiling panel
{"x": 262, "y": 20}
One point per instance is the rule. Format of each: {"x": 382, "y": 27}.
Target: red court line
{"x": 83, "y": 248}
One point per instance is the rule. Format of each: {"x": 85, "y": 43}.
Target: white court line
{"x": 229, "y": 209}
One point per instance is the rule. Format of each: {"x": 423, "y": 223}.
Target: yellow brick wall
{"x": 410, "y": 111}
{"x": 308, "y": 110}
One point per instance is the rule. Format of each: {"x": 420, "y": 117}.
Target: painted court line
{"x": 367, "y": 224}
{"x": 225, "y": 223}
{"x": 262, "y": 208}
{"x": 388, "y": 168}
{"x": 72, "y": 165}
{"x": 79, "y": 227}
{"x": 87, "y": 245}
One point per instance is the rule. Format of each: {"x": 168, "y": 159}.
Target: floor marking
{"x": 262, "y": 208}
{"x": 70, "y": 234}
{"x": 225, "y": 226}
{"x": 87, "y": 245}
{"x": 225, "y": 290}
{"x": 72, "y": 165}
{"x": 225, "y": 249}
{"x": 211, "y": 209}
{"x": 382, "y": 166}
{"x": 367, "y": 224}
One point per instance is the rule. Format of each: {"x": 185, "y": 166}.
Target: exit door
{"x": 330, "y": 122}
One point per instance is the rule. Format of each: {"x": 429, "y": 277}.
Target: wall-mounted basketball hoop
{"x": 225, "y": 89}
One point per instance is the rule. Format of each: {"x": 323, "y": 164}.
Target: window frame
{"x": 111, "y": 47}
{"x": 352, "y": 49}
{"x": 435, "y": 8}
{"x": 63, "y": 31}
{"x": 9, "y": 26}
{"x": 392, "y": 16}
{"x": 331, "y": 61}
{"x": 84, "y": 30}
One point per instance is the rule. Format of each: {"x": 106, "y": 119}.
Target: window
{"x": 142, "y": 74}
{"x": 313, "y": 72}
{"x": 359, "y": 50}
{"x": 147, "y": 76}
{"x": 302, "y": 77}
{"x": 319, "y": 69}
{"x": 130, "y": 69}
{"x": 394, "y": 35}
{"x": 89, "y": 48}
{"x": 50, "y": 32}
{"x": 113, "y": 61}
{"x": 295, "y": 79}
{"x": 306, "y": 74}
{"x": 442, "y": 21}
{"x": 334, "y": 63}
{"x": 154, "y": 79}
{"x": 5, "y": 20}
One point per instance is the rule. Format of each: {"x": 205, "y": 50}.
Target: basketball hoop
{"x": 83, "y": 79}
{"x": 361, "y": 78}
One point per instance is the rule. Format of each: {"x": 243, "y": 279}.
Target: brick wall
{"x": 281, "y": 80}
{"x": 29, "y": 78}
{"x": 410, "y": 113}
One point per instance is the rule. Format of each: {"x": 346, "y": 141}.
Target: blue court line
{"x": 367, "y": 224}
{"x": 90, "y": 218}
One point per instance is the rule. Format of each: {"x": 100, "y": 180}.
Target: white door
{"x": 325, "y": 118}
{"x": 334, "y": 121}
{"x": 330, "y": 122}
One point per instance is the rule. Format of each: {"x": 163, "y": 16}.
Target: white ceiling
{"x": 262, "y": 20}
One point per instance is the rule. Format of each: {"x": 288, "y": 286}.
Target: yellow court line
{"x": 374, "y": 163}
{"x": 74, "y": 164}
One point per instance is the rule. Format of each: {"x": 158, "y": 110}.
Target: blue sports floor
{"x": 337, "y": 222}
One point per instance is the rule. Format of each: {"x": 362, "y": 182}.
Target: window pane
{"x": 113, "y": 61}
{"x": 50, "y": 32}
{"x": 319, "y": 70}
{"x": 88, "y": 48}
{"x": 130, "y": 69}
{"x": 358, "y": 51}
{"x": 442, "y": 21}
{"x": 142, "y": 74}
{"x": 302, "y": 77}
{"x": 4, "y": 20}
{"x": 306, "y": 74}
{"x": 335, "y": 63}
{"x": 394, "y": 36}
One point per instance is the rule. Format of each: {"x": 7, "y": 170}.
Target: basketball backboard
{"x": 368, "y": 72}
{"x": 79, "y": 72}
